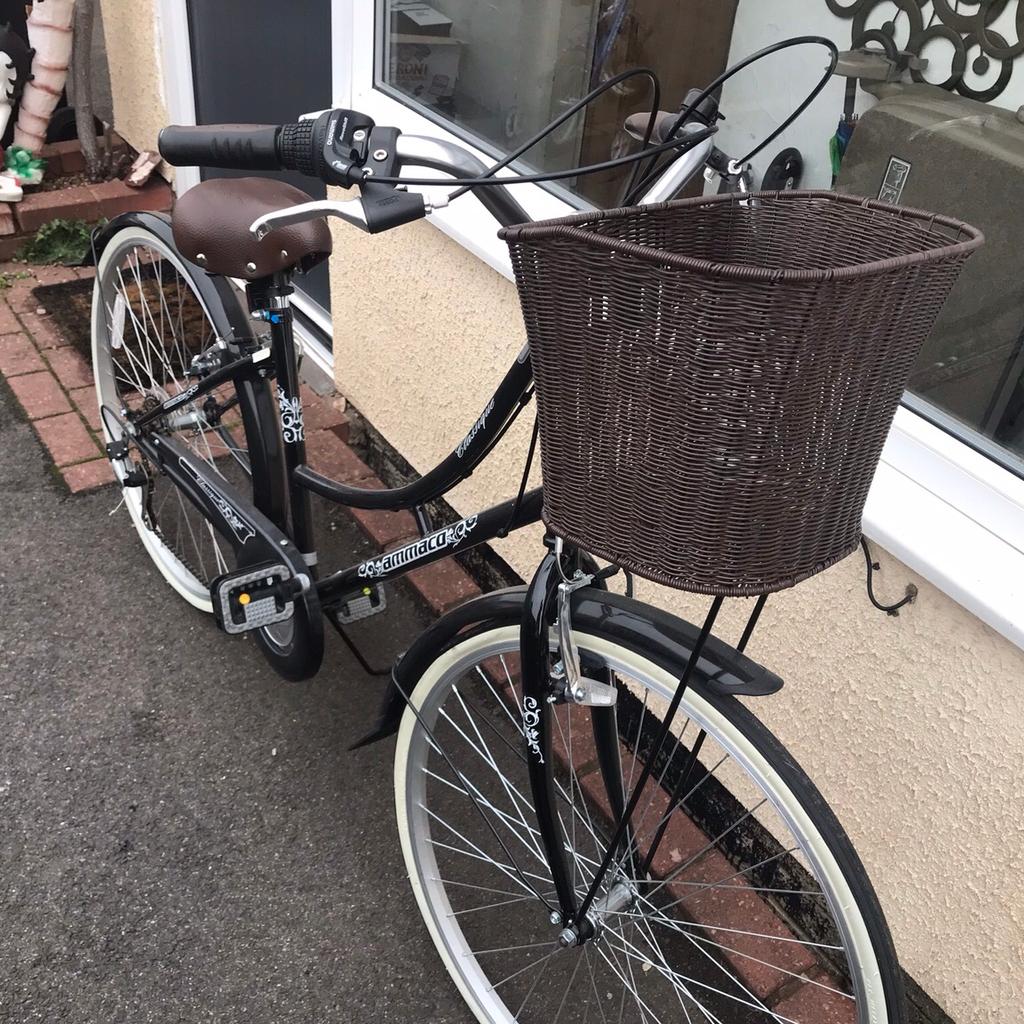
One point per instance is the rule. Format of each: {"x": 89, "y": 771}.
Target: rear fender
{"x": 218, "y": 294}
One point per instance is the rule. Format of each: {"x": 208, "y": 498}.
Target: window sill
{"x": 971, "y": 550}
{"x": 948, "y": 513}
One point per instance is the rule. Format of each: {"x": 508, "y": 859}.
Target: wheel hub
{"x": 620, "y": 897}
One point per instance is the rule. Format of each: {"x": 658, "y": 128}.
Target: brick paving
{"x": 18, "y": 356}
{"x": 40, "y": 394}
{"x": 51, "y": 380}
{"x": 70, "y": 368}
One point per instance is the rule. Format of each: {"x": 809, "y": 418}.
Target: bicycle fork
{"x": 547, "y": 604}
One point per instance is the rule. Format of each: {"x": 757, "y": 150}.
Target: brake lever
{"x": 378, "y": 209}
{"x": 350, "y": 210}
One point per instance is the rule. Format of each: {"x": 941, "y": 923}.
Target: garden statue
{"x": 15, "y": 72}
{"x": 50, "y": 35}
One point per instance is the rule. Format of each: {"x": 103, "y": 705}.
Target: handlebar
{"x": 345, "y": 148}
{"x": 341, "y": 147}
{"x": 238, "y": 146}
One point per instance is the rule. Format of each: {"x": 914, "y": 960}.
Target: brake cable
{"x": 517, "y": 505}
{"x": 572, "y": 112}
{"x": 729, "y": 73}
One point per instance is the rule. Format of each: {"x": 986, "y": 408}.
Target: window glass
{"x": 499, "y": 72}
{"x": 928, "y": 115}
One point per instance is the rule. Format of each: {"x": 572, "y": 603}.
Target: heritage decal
{"x": 292, "y": 427}
{"x": 241, "y": 529}
{"x": 531, "y": 719}
{"x": 394, "y": 560}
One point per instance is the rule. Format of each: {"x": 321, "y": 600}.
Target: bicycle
{"x": 594, "y": 825}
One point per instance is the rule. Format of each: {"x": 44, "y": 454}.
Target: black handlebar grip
{"x": 295, "y": 148}
{"x": 243, "y": 147}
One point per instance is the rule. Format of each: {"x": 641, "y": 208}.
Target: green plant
{"x": 60, "y": 241}
{"x": 7, "y": 278}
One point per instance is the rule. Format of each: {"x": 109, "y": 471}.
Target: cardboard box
{"x": 413, "y": 17}
{"x": 426, "y": 67}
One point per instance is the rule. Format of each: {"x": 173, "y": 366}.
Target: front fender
{"x": 664, "y": 639}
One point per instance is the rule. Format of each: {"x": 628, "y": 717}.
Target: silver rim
{"x": 148, "y": 324}
{"x": 677, "y": 952}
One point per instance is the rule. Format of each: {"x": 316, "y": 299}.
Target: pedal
{"x": 370, "y": 600}
{"x": 259, "y": 596}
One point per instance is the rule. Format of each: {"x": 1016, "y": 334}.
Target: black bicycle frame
{"x": 291, "y": 532}
{"x": 269, "y": 527}
{"x": 271, "y": 299}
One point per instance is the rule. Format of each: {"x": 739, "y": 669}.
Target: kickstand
{"x": 331, "y": 615}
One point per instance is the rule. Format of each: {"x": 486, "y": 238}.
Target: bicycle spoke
{"x": 489, "y": 757}
{"x": 515, "y": 871}
{"x": 710, "y": 845}
{"x": 690, "y": 900}
{"x": 568, "y": 989}
{"x": 505, "y": 819}
{"x": 593, "y": 984}
{"x": 466, "y": 784}
{"x": 489, "y": 906}
{"x": 635, "y": 954}
{"x": 775, "y": 967}
{"x": 635, "y": 845}
{"x": 523, "y": 970}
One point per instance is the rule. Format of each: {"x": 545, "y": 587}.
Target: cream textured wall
{"x": 131, "y": 28}
{"x": 913, "y": 727}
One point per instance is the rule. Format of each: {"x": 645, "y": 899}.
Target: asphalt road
{"x": 183, "y": 836}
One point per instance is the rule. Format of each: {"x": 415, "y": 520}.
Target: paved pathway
{"x": 183, "y": 837}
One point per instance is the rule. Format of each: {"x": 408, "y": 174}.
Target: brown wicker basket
{"x": 716, "y": 376}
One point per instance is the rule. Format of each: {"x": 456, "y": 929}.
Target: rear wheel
{"x": 756, "y": 908}
{"x": 149, "y": 326}
{"x": 150, "y": 321}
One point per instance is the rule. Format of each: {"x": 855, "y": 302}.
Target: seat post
{"x": 270, "y": 300}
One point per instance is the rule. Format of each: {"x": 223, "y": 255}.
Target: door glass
{"x": 263, "y": 62}
{"x": 500, "y": 72}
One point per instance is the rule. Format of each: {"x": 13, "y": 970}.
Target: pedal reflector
{"x": 251, "y": 599}
{"x": 368, "y": 601}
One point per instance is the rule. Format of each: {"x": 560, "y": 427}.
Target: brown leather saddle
{"x": 211, "y": 228}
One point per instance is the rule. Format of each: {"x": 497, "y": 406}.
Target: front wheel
{"x": 755, "y": 908}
